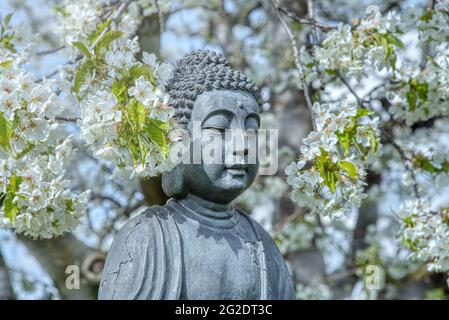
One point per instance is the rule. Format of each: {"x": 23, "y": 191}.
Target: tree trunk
{"x": 55, "y": 255}
{"x": 6, "y": 291}
{"x": 150, "y": 41}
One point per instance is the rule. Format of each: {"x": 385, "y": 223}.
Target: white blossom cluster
{"x": 128, "y": 124}
{"x": 298, "y": 235}
{"x": 433, "y": 24}
{"x": 423, "y": 96}
{"x": 426, "y": 233}
{"x": 78, "y": 20}
{"x": 34, "y": 195}
{"x": 424, "y": 219}
{"x": 427, "y": 150}
{"x": 354, "y": 50}
{"x": 316, "y": 291}
{"x": 423, "y": 92}
{"x": 124, "y": 111}
{"x": 329, "y": 176}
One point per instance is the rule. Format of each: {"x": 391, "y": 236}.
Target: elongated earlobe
{"x": 173, "y": 182}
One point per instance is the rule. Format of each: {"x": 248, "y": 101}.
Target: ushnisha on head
{"x": 204, "y": 90}
{"x": 202, "y": 71}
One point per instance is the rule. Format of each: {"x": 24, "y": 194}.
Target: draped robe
{"x": 145, "y": 260}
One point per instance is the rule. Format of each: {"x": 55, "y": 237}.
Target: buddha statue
{"x": 197, "y": 245}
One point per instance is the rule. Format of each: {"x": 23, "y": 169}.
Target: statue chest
{"x": 219, "y": 263}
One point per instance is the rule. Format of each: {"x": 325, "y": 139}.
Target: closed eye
{"x": 215, "y": 129}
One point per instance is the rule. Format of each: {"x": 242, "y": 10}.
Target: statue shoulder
{"x": 142, "y": 240}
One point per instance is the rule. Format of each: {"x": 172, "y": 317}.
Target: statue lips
{"x": 237, "y": 169}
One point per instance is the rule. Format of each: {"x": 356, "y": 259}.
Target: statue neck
{"x": 207, "y": 212}
{"x": 209, "y": 205}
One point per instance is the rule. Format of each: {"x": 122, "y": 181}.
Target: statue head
{"x": 204, "y": 91}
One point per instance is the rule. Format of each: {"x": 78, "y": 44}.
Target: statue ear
{"x": 173, "y": 182}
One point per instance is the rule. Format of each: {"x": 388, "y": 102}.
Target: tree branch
{"x": 50, "y": 51}
{"x": 160, "y": 16}
{"x": 291, "y": 14}
{"x": 346, "y": 83}
{"x": 298, "y": 64}
{"x": 6, "y": 291}
{"x": 120, "y": 10}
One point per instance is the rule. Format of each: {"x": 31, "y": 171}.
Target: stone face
{"x": 197, "y": 246}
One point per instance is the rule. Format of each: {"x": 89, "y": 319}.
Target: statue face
{"x": 214, "y": 113}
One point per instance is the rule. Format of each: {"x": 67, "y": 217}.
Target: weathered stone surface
{"x": 197, "y": 246}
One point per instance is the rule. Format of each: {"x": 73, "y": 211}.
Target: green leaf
{"x": 417, "y": 90}
{"x": 119, "y": 90}
{"x": 363, "y": 151}
{"x": 157, "y": 135}
{"x": 28, "y": 148}
{"x": 374, "y": 141}
{"x": 395, "y": 40}
{"x": 163, "y": 125}
{"x": 412, "y": 98}
{"x": 81, "y": 47}
{"x": 350, "y": 168}
{"x": 137, "y": 115}
{"x": 7, "y": 19}
{"x": 109, "y": 36}
{"x": 362, "y": 112}
{"x": 427, "y": 16}
{"x": 409, "y": 243}
{"x": 393, "y": 61}
{"x": 385, "y": 46}
{"x": 420, "y": 161}
{"x": 69, "y": 205}
{"x": 136, "y": 72}
{"x": 6, "y": 64}
{"x": 332, "y": 181}
{"x": 409, "y": 222}
{"x": 7, "y": 43}
{"x": 423, "y": 89}
{"x": 10, "y": 208}
{"x": 61, "y": 10}
{"x": 344, "y": 140}
{"x": 328, "y": 170}
{"x": 142, "y": 149}
{"x": 5, "y": 133}
{"x": 80, "y": 76}
{"x": 94, "y": 35}
{"x": 14, "y": 183}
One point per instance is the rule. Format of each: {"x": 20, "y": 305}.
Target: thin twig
{"x": 74, "y": 120}
{"x": 298, "y": 64}
{"x": 123, "y": 6}
{"x": 120, "y": 10}
{"x": 342, "y": 275}
{"x": 346, "y": 83}
{"x": 160, "y": 16}
{"x": 289, "y": 219}
{"x": 96, "y": 196}
{"x": 367, "y": 96}
{"x": 291, "y": 14}
{"x": 50, "y": 51}
{"x": 311, "y": 14}
{"x": 54, "y": 72}
{"x": 407, "y": 161}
